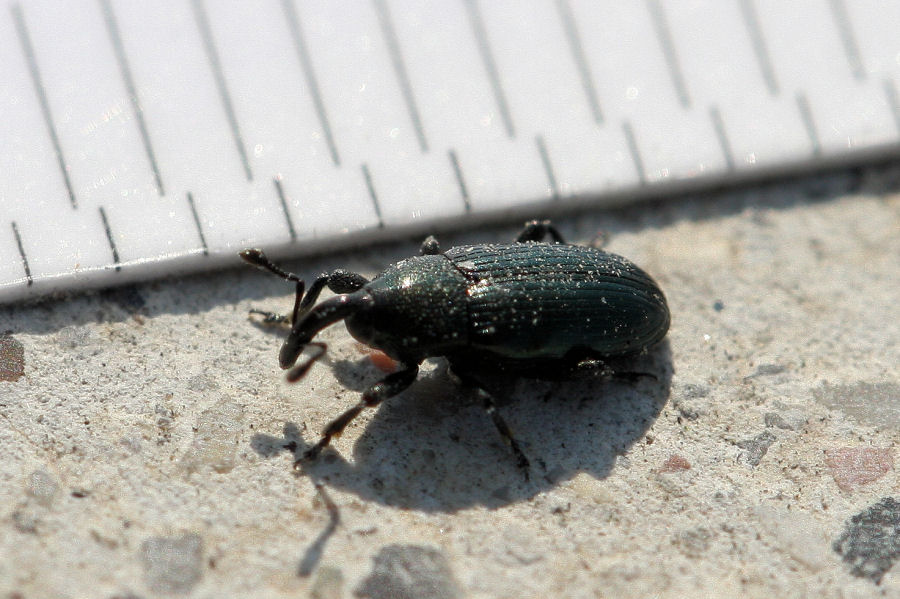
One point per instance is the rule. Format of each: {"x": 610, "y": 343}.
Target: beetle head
{"x": 308, "y": 326}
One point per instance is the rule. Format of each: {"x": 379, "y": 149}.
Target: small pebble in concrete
{"x": 216, "y": 438}
{"x": 854, "y": 467}
{"x": 172, "y": 564}
{"x": 776, "y": 420}
{"x": 876, "y": 404}
{"x": 409, "y": 572}
{"x": 42, "y": 486}
{"x": 693, "y": 542}
{"x": 12, "y": 358}
{"x": 767, "y": 370}
{"x": 675, "y": 463}
{"x": 756, "y": 447}
{"x": 796, "y": 534}
{"x": 870, "y": 543}
{"x": 328, "y": 584}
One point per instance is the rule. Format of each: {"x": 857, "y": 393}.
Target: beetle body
{"x": 512, "y": 304}
{"x": 543, "y": 309}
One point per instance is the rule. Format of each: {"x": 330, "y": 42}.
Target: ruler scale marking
{"x": 370, "y": 186}
{"x": 890, "y": 90}
{"x": 309, "y": 73}
{"x": 393, "y": 45}
{"x": 215, "y": 64}
{"x": 193, "y": 207}
{"x": 548, "y": 167}
{"x": 40, "y": 90}
{"x": 809, "y": 124}
{"x": 760, "y": 48}
{"x": 115, "y": 36}
{"x": 457, "y": 171}
{"x": 719, "y": 127}
{"x": 664, "y": 34}
{"x": 279, "y": 189}
{"x": 848, "y": 40}
{"x": 631, "y": 142}
{"x": 576, "y": 46}
{"x": 21, "y": 246}
{"x": 109, "y": 238}
{"x": 490, "y": 65}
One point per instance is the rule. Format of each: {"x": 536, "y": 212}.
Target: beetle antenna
{"x": 258, "y": 258}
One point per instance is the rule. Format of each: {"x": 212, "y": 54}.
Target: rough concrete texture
{"x": 146, "y": 432}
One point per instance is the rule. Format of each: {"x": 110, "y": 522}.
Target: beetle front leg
{"x": 271, "y": 317}
{"x": 388, "y": 387}
{"x": 537, "y": 230}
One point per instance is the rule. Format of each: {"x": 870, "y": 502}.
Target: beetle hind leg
{"x": 538, "y": 230}
{"x": 387, "y": 387}
{"x": 430, "y": 247}
{"x": 490, "y": 407}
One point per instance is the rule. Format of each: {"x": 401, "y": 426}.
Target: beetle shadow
{"x": 433, "y": 448}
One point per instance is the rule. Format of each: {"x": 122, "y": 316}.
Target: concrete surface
{"x": 143, "y": 432}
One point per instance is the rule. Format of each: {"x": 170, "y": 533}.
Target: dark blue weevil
{"x": 529, "y": 307}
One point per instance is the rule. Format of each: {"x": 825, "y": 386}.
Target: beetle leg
{"x": 388, "y": 387}
{"x": 603, "y": 369}
{"x": 430, "y": 247}
{"x": 537, "y": 230}
{"x": 490, "y": 407}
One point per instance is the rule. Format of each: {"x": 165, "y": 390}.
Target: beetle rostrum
{"x": 531, "y": 307}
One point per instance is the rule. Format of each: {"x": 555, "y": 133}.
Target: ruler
{"x": 145, "y": 138}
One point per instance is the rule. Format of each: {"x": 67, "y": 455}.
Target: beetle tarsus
{"x": 270, "y": 317}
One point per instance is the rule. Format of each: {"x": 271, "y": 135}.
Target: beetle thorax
{"x": 417, "y": 310}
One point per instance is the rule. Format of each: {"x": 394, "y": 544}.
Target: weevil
{"x": 534, "y": 308}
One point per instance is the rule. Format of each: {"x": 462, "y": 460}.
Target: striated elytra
{"x": 530, "y": 307}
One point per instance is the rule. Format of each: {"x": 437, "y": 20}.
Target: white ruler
{"x": 139, "y": 138}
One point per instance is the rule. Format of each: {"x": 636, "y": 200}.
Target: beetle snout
{"x": 290, "y": 351}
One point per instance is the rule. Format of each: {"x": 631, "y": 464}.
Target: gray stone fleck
{"x": 876, "y": 404}
{"x": 756, "y": 448}
{"x": 409, "y": 572}
{"x": 72, "y": 337}
{"x": 694, "y": 391}
{"x": 693, "y": 542}
{"x": 172, "y": 564}
{"x": 773, "y": 419}
{"x": 25, "y": 520}
{"x": 767, "y": 370}
{"x": 870, "y": 543}
{"x": 796, "y": 534}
